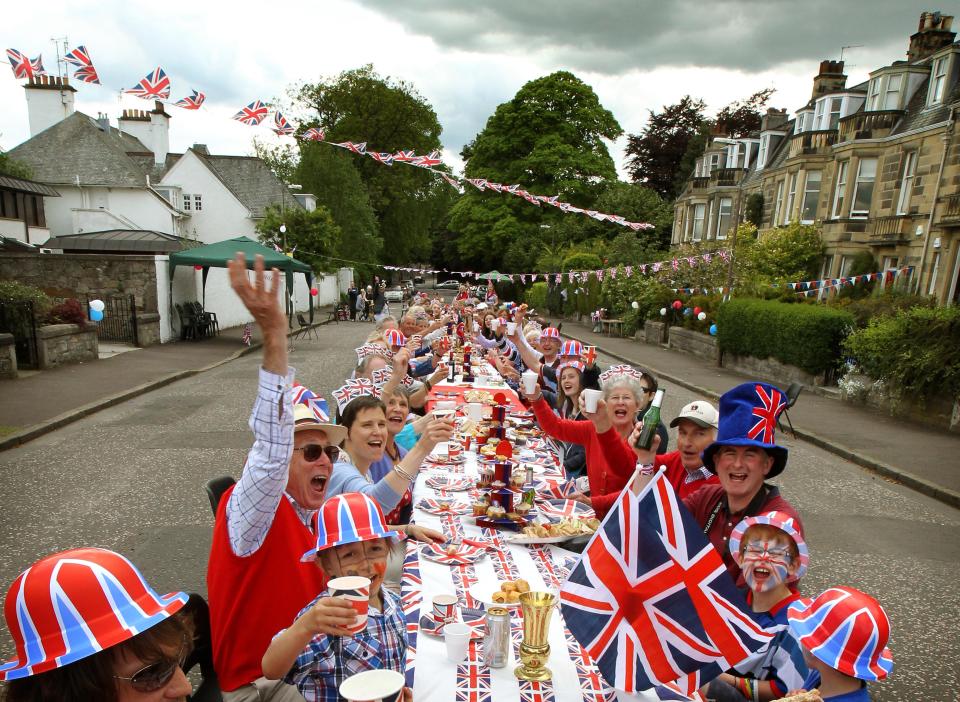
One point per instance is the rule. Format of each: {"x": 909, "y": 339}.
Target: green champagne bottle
{"x": 651, "y": 420}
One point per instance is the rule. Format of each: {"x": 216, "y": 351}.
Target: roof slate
{"x": 251, "y": 182}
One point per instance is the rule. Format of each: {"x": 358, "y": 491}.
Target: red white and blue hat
{"x": 347, "y": 519}
{"x": 846, "y": 629}
{"x": 549, "y": 333}
{"x": 563, "y": 365}
{"x": 352, "y": 389}
{"x": 571, "y": 347}
{"x": 779, "y": 520}
{"x": 394, "y": 337}
{"x": 73, "y": 604}
{"x": 748, "y": 417}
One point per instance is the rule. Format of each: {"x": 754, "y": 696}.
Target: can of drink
{"x": 496, "y": 642}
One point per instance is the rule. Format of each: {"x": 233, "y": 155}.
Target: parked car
{"x": 395, "y": 294}
{"x": 418, "y": 280}
{"x": 448, "y": 285}
{"x": 407, "y": 286}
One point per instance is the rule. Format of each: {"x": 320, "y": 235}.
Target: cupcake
{"x": 496, "y": 512}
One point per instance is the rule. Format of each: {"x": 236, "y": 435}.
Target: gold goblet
{"x": 535, "y": 650}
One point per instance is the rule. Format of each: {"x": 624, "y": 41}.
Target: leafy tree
{"x": 314, "y": 235}
{"x": 790, "y": 253}
{"x": 549, "y": 139}
{"x": 742, "y": 117}
{"x": 655, "y": 154}
{"x": 753, "y": 209}
{"x": 12, "y": 167}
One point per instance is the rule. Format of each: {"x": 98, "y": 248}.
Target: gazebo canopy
{"x": 495, "y": 276}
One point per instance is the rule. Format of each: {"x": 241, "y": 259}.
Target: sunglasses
{"x": 312, "y": 452}
{"x": 157, "y": 675}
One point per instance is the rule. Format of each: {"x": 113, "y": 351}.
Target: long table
{"x": 433, "y": 677}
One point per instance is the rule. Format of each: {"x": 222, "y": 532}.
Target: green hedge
{"x": 917, "y": 351}
{"x": 805, "y": 336}
{"x": 536, "y": 297}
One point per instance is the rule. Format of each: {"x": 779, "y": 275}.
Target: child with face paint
{"x": 772, "y": 556}
{"x": 322, "y": 647}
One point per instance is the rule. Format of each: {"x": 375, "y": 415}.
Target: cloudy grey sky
{"x": 465, "y": 57}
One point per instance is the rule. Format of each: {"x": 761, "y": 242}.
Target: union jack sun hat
{"x": 846, "y": 629}
{"x": 73, "y": 604}
{"x": 347, "y": 519}
{"x": 748, "y": 417}
{"x": 783, "y": 522}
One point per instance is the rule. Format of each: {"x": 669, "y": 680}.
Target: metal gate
{"x": 16, "y": 317}
{"x": 119, "y": 321}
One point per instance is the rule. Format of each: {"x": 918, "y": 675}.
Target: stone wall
{"x": 695, "y": 343}
{"x": 771, "y": 369}
{"x": 78, "y": 275}
{"x": 8, "y": 356}
{"x": 58, "y": 344}
{"x": 940, "y": 412}
{"x": 655, "y": 332}
{"x": 148, "y": 328}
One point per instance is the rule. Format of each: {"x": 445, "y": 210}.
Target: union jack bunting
{"x": 281, "y": 127}
{"x": 78, "y": 57}
{"x": 496, "y": 187}
{"x": 23, "y": 67}
{"x": 651, "y": 600}
{"x": 253, "y": 114}
{"x": 360, "y": 148}
{"x": 479, "y": 183}
{"x": 429, "y": 161}
{"x": 87, "y": 74}
{"x": 384, "y": 158}
{"x": 154, "y": 86}
{"x": 192, "y": 101}
{"x": 773, "y": 403}
{"x": 314, "y": 134}
{"x": 404, "y": 156}
{"x": 352, "y": 389}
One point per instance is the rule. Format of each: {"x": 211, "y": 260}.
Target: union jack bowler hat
{"x": 577, "y": 364}
{"x": 846, "y": 629}
{"x": 748, "y": 417}
{"x": 549, "y": 333}
{"x": 571, "y": 347}
{"x": 347, "y": 519}
{"x": 72, "y": 604}
{"x": 782, "y": 521}
{"x": 394, "y": 337}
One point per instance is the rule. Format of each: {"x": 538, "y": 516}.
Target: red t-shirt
{"x": 677, "y": 475}
{"x": 709, "y": 504}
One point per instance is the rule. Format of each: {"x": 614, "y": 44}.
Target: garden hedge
{"x": 801, "y": 335}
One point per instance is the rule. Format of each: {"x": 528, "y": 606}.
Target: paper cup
{"x": 444, "y": 609}
{"x": 590, "y": 399}
{"x": 446, "y": 405}
{"x": 529, "y": 380}
{"x": 494, "y": 324}
{"x": 445, "y": 415}
{"x": 457, "y": 637}
{"x": 511, "y": 328}
{"x": 373, "y": 686}
{"x": 475, "y": 411}
{"x": 355, "y": 590}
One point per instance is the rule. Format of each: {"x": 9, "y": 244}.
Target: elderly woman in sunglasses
{"x": 87, "y": 626}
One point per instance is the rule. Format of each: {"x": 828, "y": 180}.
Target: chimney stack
{"x": 201, "y": 149}
{"x": 933, "y": 33}
{"x": 830, "y": 79}
{"x": 774, "y": 119}
{"x": 151, "y": 128}
{"x": 49, "y": 100}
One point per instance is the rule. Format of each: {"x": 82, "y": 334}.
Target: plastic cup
{"x": 475, "y": 411}
{"x": 355, "y": 590}
{"x": 444, "y": 609}
{"x": 379, "y": 685}
{"x": 591, "y": 398}
{"x": 511, "y": 328}
{"x": 494, "y": 324}
{"x": 457, "y": 637}
{"x": 529, "y": 380}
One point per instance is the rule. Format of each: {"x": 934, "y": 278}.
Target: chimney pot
{"x": 932, "y": 35}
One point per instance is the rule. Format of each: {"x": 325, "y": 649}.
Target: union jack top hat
{"x": 783, "y": 522}
{"x": 748, "y": 417}
{"x": 347, "y": 519}
{"x": 571, "y": 347}
{"x": 72, "y": 604}
{"x": 846, "y": 629}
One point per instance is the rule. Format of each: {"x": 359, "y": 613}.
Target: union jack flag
{"x": 247, "y": 334}
{"x": 314, "y": 134}
{"x": 404, "y": 156}
{"x": 154, "y": 86}
{"x": 767, "y": 422}
{"x": 360, "y": 148}
{"x": 651, "y": 600}
{"x": 87, "y": 74}
{"x": 281, "y": 127}
{"x": 191, "y": 102}
{"x": 429, "y": 161}
{"x": 80, "y": 58}
{"x": 23, "y": 67}
{"x": 384, "y": 158}
{"x": 304, "y": 396}
{"x": 473, "y": 683}
{"x": 253, "y": 114}
{"x": 565, "y": 508}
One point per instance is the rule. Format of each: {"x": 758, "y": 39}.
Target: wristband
{"x": 647, "y": 469}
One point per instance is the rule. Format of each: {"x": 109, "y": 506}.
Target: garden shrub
{"x": 18, "y": 292}
{"x": 67, "y": 312}
{"x": 886, "y": 304}
{"x": 536, "y": 296}
{"x": 805, "y": 336}
{"x": 916, "y": 351}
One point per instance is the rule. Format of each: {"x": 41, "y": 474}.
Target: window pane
{"x": 698, "y": 212}
{"x": 811, "y": 194}
{"x": 723, "y": 217}
{"x": 841, "y": 189}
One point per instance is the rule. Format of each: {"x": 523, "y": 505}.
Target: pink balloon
{"x": 696, "y": 311}
{"x": 314, "y": 292}
{"x": 677, "y": 304}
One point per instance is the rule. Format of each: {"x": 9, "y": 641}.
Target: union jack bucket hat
{"x": 347, "y": 519}
{"x": 73, "y": 604}
{"x": 748, "y": 417}
{"x": 571, "y": 347}
{"x": 846, "y": 629}
{"x": 783, "y": 522}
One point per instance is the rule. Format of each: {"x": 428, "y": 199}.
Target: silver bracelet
{"x": 403, "y": 474}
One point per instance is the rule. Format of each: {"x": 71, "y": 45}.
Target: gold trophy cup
{"x": 535, "y": 650}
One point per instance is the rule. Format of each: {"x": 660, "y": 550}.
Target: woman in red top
{"x": 610, "y": 460}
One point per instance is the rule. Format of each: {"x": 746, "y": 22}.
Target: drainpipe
{"x": 933, "y": 207}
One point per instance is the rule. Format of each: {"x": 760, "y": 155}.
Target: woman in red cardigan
{"x": 610, "y": 460}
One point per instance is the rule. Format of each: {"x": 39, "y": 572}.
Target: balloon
{"x": 198, "y": 267}
{"x": 314, "y": 292}
{"x": 96, "y": 315}
{"x": 635, "y": 305}
{"x": 696, "y": 311}
{"x": 701, "y": 316}
{"x": 663, "y": 311}
{"x": 677, "y": 304}
{"x": 713, "y": 330}
{"x": 97, "y": 305}
{"x": 687, "y": 311}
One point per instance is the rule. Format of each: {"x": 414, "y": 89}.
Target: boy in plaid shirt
{"x": 318, "y": 652}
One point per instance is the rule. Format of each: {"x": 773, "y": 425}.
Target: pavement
{"x": 923, "y": 458}
{"x": 40, "y": 401}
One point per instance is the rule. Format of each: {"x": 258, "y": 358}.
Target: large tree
{"x": 549, "y": 139}
{"x": 359, "y": 105}
{"x": 314, "y": 235}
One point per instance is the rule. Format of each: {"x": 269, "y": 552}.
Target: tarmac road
{"x": 131, "y": 478}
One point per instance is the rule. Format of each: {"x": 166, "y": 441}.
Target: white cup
{"x": 590, "y": 399}
{"x": 511, "y": 328}
{"x": 475, "y": 411}
{"x": 446, "y": 405}
{"x": 457, "y": 636}
{"x": 529, "y": 380}
{"x": 379, "y": 685}
{"x": 494, "y": 324}
{"x": 445, "y": 415}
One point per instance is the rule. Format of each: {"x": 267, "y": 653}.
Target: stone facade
{"x": 58, "y": 344}
{"x": 695, "y": 343}
{"x": 148, "y": 328}
{"x": 655, "y": 332}
{"x": 8, "y": 356}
